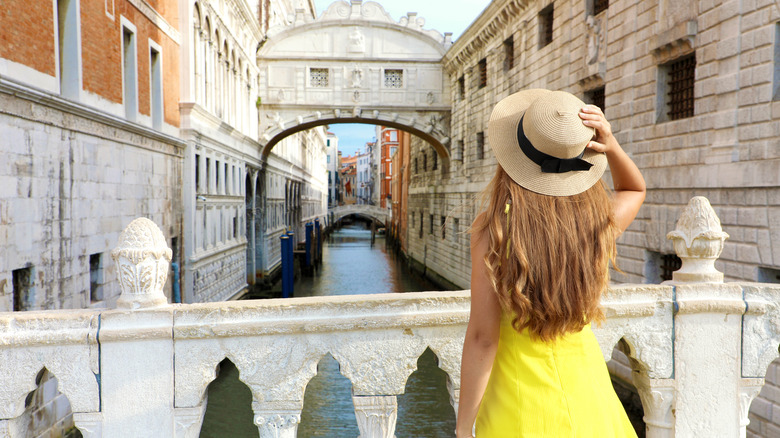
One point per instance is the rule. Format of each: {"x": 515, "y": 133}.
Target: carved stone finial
{"x": 143, "y": 259}
{"x": 698, "y": 241}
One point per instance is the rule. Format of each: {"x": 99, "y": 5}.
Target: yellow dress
{"x": 559, "y": 389}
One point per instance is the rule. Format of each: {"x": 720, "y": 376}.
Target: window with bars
{"x": 600, "y": 6}
{"x": 394, "y": 78}
{"x": 682, "y": 74}
{"x": 669, "y": 264}
{"x": 425, "y": 163}
{"x": 430, "y": 220}
{"x": 546, "y": 26}
{"x": 435, "y": 161}
{"x": 459, "y": 150}
{"x": 596, "y": 97}
{"x": 768, "y": 275}
{"x": 421, "y": 225}
{"x": 480, "y": 145}
{"x": 482, "y": 73}
{"x": 509, "y": 53}
{"x": 319, "y": 77}
{"x": 443, "y": 228}
{"x": 416, "y": 167}
{"x": 676, "y": 98}
{"x": 462, "y": 87}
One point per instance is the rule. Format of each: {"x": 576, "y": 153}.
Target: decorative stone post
{"x": 143, "y": 260}
{"x": 698, "y": 241}
{"x": 136, "y": 340}
{"x": 707, "y": 328}
{"x": 376, "y": 415}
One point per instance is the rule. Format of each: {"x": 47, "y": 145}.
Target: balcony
{"x": 699, "y": 348}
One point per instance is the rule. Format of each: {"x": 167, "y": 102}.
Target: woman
{"x": 540, "y": 257}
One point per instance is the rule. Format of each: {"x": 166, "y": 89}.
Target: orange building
{"x": 399, "y": 194}
{"x": 347, "y": 184}
{"x": 389, "y": 139}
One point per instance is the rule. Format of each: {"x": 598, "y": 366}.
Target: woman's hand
{"x": 593, "y": 117}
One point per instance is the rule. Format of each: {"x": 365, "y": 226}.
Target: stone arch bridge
{"x": 372, "y": 212}
{"x": 355, "y": 64}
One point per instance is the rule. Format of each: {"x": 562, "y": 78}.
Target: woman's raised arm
{"x": 627, "y": 181}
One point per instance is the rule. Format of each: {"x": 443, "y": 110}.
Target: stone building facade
{"x": 236, "y": 201}
{"x": 89, "y": 122}
{"x": 690, "y": 89}
{"x": 89, "y": 127}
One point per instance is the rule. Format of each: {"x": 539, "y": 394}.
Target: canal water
{"x": 351, "y": 265}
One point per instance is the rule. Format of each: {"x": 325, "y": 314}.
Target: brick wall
{"x": 27, "y": 35}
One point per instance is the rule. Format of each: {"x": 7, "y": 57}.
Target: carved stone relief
{"x": 594, "y": 39}
{"x": 357, "y": 42}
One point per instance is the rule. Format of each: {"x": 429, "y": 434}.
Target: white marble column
{"x": 376, "y": 415}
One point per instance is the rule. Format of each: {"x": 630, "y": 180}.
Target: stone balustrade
{"x": 699, "y": 348}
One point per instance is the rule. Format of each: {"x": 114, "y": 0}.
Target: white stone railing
{"x": 699, "y": 349}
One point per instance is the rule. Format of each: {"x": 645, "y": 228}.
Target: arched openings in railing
{"x": 228, "y": 410}
{"x": 328, "y": 409}
{"x": 44, "y": 408}
{"x": 426, "y": 400}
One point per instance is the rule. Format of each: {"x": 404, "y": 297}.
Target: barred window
{"x": 462, "y": 87}
{"x": 600, "y": 6}
{"x": 435, "y": 161}
{"x": 480, "y": 145}
{"x": 443, "y": 228}
{"x": 509, "y": 53}
{"x": 459, "y": 150}
{"x": 596, "y": 97}
{"x": 421, "y": 225}
{"x": 681, "y": 76}
{"x": 319, "y": 77}
{"x": 425, "y": 162}
{"x": 483, "y": 73}
{"x": 394, "y": 78}
{"x": 546, "y": 26}
{"x": 430, "y": 216}
{"x": 669, "y": 264}
{"x": 416, "y": 168}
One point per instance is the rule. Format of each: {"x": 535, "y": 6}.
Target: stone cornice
{"x": 487, "y": 26}
{"x": 158, "y": 20}
{"x": 77, "y": 109}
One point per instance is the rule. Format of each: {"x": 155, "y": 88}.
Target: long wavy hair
{"x": 548, "y": 259}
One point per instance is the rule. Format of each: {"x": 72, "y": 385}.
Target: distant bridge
{"x": 373, "y": 212}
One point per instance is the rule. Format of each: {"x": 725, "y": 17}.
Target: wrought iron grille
{"x": 480, "y": 145}
{"x": 483, "y": 73}
{"x": 682, "y": 74}
{"x": 546, "y": 26}
{"x": 319, "y": 77}
{"x": 596, "y": 97}
{"x": 394, "y": 78}
{"x": 509, "y": 54}
{"x": 669, "y": 264}
{"x": 600, "y": 6}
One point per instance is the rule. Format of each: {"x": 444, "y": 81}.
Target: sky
{"x": 443, "y": 15}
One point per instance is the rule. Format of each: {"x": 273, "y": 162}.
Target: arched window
{"x": 196, "y": 55}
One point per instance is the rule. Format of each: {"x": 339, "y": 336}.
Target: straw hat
{"x": 546, "y": 152}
